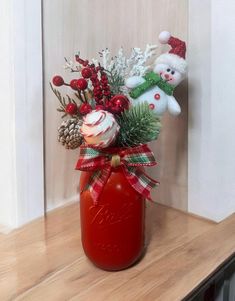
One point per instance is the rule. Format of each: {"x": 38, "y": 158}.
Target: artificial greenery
{"x": 116, "y": 81}
{"x": 138, "y": 125}
{"x": 64, "y": 101}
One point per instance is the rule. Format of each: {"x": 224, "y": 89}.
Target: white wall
{"x": 7, "y": 163}
{"x": 21, "y": 152}
{"x": 211, "y": 134}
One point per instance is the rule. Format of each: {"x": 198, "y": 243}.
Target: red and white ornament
{"x": 99, "y": 128}
{"x": 118, "y": 103}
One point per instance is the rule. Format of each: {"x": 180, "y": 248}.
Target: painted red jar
{"x": 113, "y": 229}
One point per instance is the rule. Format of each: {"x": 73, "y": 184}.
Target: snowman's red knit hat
{"x": 176, "y": 56}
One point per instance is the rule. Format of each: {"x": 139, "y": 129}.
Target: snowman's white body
{"x": 157, "y": 99}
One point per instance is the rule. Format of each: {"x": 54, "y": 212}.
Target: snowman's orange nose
{"x": 166, "y": 76}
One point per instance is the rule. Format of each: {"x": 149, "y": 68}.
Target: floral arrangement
{"x": 118, "y": 100}
{"x": 99, "y": 90}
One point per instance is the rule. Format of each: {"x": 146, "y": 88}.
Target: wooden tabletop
{"x": 44, "y": 260}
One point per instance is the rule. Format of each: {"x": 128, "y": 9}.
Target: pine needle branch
{"x": 64, "y": 101}
{"x": 138, "y": 125}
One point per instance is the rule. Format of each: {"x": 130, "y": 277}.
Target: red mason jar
{"x": 112, "y": 230}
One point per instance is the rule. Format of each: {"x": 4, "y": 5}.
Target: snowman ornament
{"x": 157, "y": 86}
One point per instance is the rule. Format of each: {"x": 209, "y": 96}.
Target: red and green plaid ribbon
{"x": 131, "y": 159}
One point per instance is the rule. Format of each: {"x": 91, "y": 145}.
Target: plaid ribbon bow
{"x": 101, "y": 162}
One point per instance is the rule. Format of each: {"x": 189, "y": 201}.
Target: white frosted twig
{"x": 105, "y": 55}
{"x": 70, "y": 65}
{"x": 95, "y": 62}
{"x": 123, "y": 67}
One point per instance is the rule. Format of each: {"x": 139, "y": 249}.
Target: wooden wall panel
{"x": 89, "y": 26}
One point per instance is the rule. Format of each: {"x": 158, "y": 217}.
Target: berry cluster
{"x": 104, "y": 100}
{"x": 79, "y": 85}
{"x": 99, "y": 80}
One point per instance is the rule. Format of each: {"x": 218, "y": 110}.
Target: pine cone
{"x": 69, "y": 133}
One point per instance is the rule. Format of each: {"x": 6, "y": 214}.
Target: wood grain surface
{"x": 44, "y": 260}
{"x": 89, "y": 26}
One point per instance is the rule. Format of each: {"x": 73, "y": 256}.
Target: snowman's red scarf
{"x": 130, "y": 160}
{"x": 152, "y": 79}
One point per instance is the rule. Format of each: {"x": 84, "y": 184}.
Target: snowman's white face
{"x": 168, "y": 74}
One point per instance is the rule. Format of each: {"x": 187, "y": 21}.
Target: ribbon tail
{"x": 97, "y": 182}
{"x": 140, "y": 181}
{"x": 90, "y": 181}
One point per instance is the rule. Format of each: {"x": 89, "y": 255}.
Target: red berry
{"x": 108, "y": 104}
{"x": 107, "y": 93}
{"x": 71, "y": 108}
{"x": 103, "y": 77}
{"x": 113, "y": 109}
{"x": 73, "y": 84}
{"x": 105, "y": 88}
{"x": 104, "y": 81}
{"x": 58, "y": 80}
{"x": 96, "y": 85}
{"x": 78, "y": 59}
{"x": 97, "y": 93}
{"x": 97, "y": 88}
{"x": 99, "y": 100}
{"x": 85, "y": 63}
{"x": 100, "y": 107}
{"x": 86, "y": 72}
{"x": 81, "y": 84}
{"x": 98, "y": 97}
{"x": 85, "y": 108}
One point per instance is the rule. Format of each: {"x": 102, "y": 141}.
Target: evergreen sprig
{"x": 63, "y": 101}
{"x": 116, "y": 81}
{"x": 138, "y": 125}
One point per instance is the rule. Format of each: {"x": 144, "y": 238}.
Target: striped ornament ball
{"x": 99, "y": 128}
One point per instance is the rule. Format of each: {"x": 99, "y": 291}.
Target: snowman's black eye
{"x": 168, "y": 70}
{"x": 172, "y": 72}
